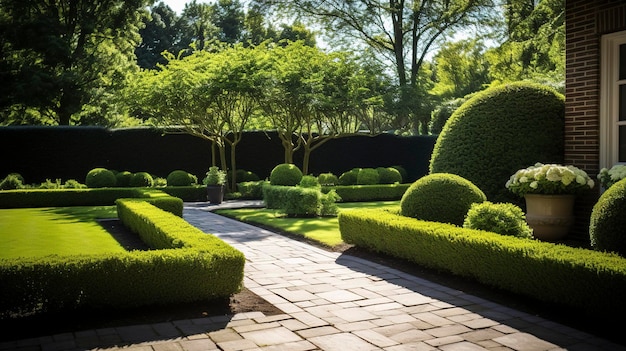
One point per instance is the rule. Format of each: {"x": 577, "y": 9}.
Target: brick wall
{"x": 585, "y": 22}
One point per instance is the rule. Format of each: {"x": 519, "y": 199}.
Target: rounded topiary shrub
{"x": 327, "y": 179}
{"x": 141, "y": 180}
{"x": 440, "y": 197}
{"x": 100, "y": 178}
{"x": 309, "y": 181}
{"x": 501, "y": 218}
{"x": 349, "y": 177}
{"x": 497, "y": 132}
{"x": 608, "y": 220}
{"x": 367, "y": 176}
{"x": 388, "y": 175}
{"x": 285, "y": 174}
{"x": 122, "y": 178}
{"x": 403, "y": 173}
{"x": 179, "y": 178}
{"x": 12, "y": 181}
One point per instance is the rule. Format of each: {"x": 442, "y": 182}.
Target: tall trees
{"x": 56, "y": 54}
{"x": 402, "y": 31}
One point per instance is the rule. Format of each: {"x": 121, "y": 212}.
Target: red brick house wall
{"x": 585, "y": 22}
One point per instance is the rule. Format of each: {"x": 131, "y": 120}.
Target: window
{"x": 613, "y": 100}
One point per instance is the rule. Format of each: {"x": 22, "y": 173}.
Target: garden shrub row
{"x": 376, "y": 192}
{"x": 23, "y": 198}
{"x": 588, "y": 280}
{"x": 299, "y": 201}
{"x": 185, "y": 265}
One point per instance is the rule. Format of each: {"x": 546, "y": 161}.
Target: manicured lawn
{"x": 36, "y": 232}
{"x": 324, "y": 230}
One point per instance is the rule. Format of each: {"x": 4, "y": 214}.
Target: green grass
{"x": 324, "y": 230}
{"x": 36, "y": 232}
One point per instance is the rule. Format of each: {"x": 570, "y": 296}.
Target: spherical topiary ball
{"x": 608, "y": 220}
{"x": 367, "y": 176}
{"x": 285, "y": 174}
{"x": 179, "y": 178}
{"x": 327, "y": 179}
{"x": 349, "y": 177}
{"x": 498, "y": 131}
{"x": 100, "y": 178}
{"x": 142, "y": 180}
{"x": 388, "y": 175}
{"x": 123, "y": 178}
{"x": 440, "y": 197}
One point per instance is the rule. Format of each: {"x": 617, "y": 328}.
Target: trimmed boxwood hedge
{"x": 590, "y": 281}
{"x": 185, "y": 265}
{"x": 376, "y": 192}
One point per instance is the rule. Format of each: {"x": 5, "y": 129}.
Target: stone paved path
{"x": 331, "y": 301}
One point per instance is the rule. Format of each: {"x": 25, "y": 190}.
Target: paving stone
{"x": 291, "y": 346}
{"x": 309, "y": 319}
{"x": 342, "y": 342}
{"x": 412, "y": 299}
{"x": 337, "y": 296}
{"x": 433, "y": 319}
{"x": 448, "y": 330}
{"x": 237, "y": 345}
{"x": 224, "y": 335}
{"x": 198, "y": 345}
{"x": 444, "y": 340}
{"x": 273, "y": 336}
{"x": 462, "y": 346}
{"x": 524, "y": 342}
{"x": 414, "y": 346}
{"x": 354, "y": 314}
{"x": 319, "y": 331}
{"x": 375, "y": 338}
{"x": 364, "y": 325}
{"x": 256, "y": 326}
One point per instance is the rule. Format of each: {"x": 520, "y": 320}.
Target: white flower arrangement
{"x": 549, "y": 179}
{"x": 608, "y": 177}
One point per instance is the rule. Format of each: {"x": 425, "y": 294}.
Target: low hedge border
{"x": 185, "y": 265}
{"x": 92, "y": 197}
{"x": 375, "y": 192}
{"x": 589, "y": 280}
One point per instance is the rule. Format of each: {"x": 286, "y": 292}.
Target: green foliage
{"x": 214, "y": 176}
{"x": 329, "y": 204}
{"x": 100, "y": 178}
{"x": 608, "y": 220}
{"x": 142, "y": 179}
{"x": 367, "y": 176}
{"x": 122, "y": 179}
{"x": 302, "y": 202}
{"x": 12, "y": 181}
{"x": 403, "y": 173}
{"x": 440, "y": 197}
{"x": 388, "y": 175}
{"x": 73, "y": 184}
{"x": 376, "y": 192}
{"x": 245, "y": 176}
{"x": 286, "y": 174}
{"x": 461, "y": 69}
{"x": 180, "y": 178}
{"x": 309, "y": 181}
{"x": 327, "y": 179}
{"x": 501, "y": 218}
{"x": 252, "y": 190}
{"x": 497, "y": 132}
{"x": 580, "y": 279}
{"x": 442, "y": 113}
{"x": 349, "y": 177}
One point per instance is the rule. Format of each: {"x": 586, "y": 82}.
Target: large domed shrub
{"x": 497, "y": 132}
{"x": 608, "y": 220}
{"x": 141, "y": 180}
{"x": 286, "y": 174}
{"x": 440, "y": 197}
{"x": 327, "y": 179}
{"x": 388, "y": 175}
{"x": 123, "y": 178}
{"x": 100, "y": 178}
{"x": 179, "y": 178}
{"x": 367, "y": 176}
{"x": 349, "y": 177}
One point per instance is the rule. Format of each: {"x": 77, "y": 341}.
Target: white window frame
{"x": 609, "y": 98}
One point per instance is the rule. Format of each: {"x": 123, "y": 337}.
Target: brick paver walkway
{"x": 332, "y": 301}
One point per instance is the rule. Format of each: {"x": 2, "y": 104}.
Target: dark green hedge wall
{"x": 38, "y": 153}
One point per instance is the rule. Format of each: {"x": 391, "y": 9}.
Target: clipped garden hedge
{"x": 591, "y": 281}
{"x": 184, "y": 265}
{"x": 375, "y": 192}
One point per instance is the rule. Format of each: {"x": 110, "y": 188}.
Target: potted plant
{"x": 549, "y": 191}
{"x": 608, "y": 177}
{"x": 215, "y": 180}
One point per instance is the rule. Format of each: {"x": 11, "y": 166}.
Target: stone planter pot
{"x": 550, "y": 216}
{"x": 215, "y": 194}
